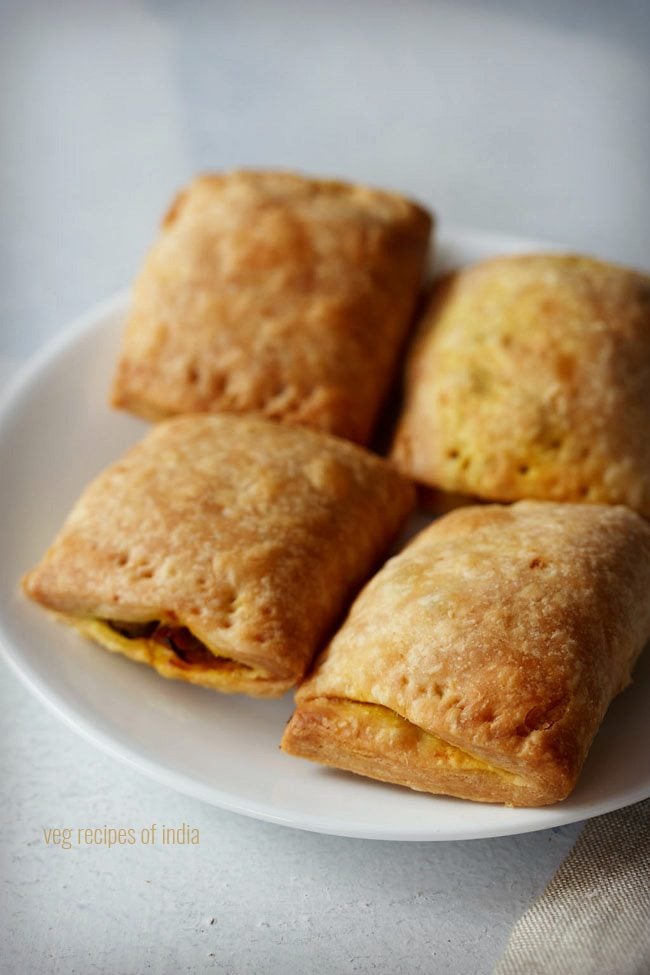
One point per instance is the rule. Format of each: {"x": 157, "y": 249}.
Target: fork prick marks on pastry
{"x": 256, "y": 534}
{"x": 275, "y": 293}
{"x": 529, "y": 377}
{"x": 480, "y": 661}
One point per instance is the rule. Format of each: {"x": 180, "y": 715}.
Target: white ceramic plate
{"x": 56, "y": 432}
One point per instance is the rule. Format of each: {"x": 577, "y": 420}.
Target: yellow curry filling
{"x": 378, "y": 728}
{"x": 161, "y": 645}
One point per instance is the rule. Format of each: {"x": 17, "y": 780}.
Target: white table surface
{"x": 503, "y": 115}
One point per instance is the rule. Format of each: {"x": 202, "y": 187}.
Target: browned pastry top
{"x": 272, "y": 292}
{"x": 530, "y": 378}
{"x": 249, "y": 533}
{"x": 502, "y": 631}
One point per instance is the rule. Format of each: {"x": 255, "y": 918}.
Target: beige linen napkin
{"x": 594, "y": 916}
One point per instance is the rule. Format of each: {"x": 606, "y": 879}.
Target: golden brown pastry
{"x": 271, "y": 292}
{"x": 530, "y": 377}
{"x": 221, "y": 550}
{"x": 480, "y": 661}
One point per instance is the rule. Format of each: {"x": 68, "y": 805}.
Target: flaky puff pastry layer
{"x": 530, "y": 378}
{"x": 272, "y": 292}
{"x": 480, "y": 661}
{"x": 250, "y": 534}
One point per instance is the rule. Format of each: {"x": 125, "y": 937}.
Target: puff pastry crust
{"x": 221, "y": 549}
{"x": 271, "y": 292}
{"x": 530, "y": 378}
{"x": 480, "y": 661}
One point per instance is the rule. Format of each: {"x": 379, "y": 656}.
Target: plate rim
{"x": 10, "y": 400}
